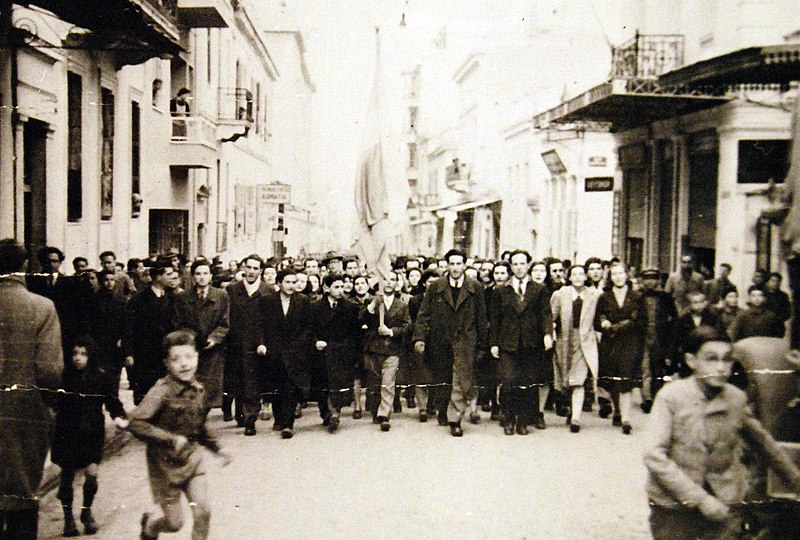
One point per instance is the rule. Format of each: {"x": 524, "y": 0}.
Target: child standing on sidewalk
{"x": 80, "y": 428}
{"x": 171, "y": 419}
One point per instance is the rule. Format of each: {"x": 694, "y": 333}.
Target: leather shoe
{"x": 333, "y": 426}
{"x": 455, "y": 430}
{"x": 397, "y": 406}
{"x": 575, "y": 428}
{"x": 143, "y": 522}
{"x": 522, "y": 429}
{"x": 411, "y": 403}
{"x": 442, "y": 418}
{"x": 616, "y": 421}
{"x": 249, "y": 430}
{"x": 227, "y": 417}
{"x": 539, "y": 422}
{"x": 423, "y": 417}
{"x": 587, "y": 406}
{"x": 357, "y": 415}
{"x": 474, "y": 418}
{"x": 626, "y": 428}
{"x": 287, "y": 433}
{"x": 486, "y": 407}
{"x": 89, "y": 524}
{"x": 646, "y": 406}
{"x": 605, "y": 408}
{"x": 508, "y": 428}
{"x": 384, "y": 422}
{"x": 495, "y": 415}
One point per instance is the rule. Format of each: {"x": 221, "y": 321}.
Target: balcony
{"x": 424, "y": 201}
{"x": 235, "y": 113}
{"x": 459, "y": 177}
{"x": 193, "y": 143}
{"x": 647, "y": 56}
{"x": 203, "y": 13}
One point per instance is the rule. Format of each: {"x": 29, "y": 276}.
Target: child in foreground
{"x": 79, "y": 433}
{"x": 693, "y": 453}
{"x": 171, "y": 419}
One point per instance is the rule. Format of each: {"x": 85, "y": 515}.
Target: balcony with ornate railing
{"x": 193, "y": 141}
{"x": 235, "y": 113}
{"x": 647, "y": 56}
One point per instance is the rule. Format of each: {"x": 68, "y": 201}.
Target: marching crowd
{"x": 452, "y": 337}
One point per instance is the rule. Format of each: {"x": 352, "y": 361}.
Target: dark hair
{"x": 105, "y": 273}
{"x": 44, "y": 255}
{"x": 108, "y": 253}
{"x": 184, "y": 91}
{"x": 593, "y": 260}
{"x": 305, "y": 263}
{"x": 414, "y": 270}
{"x": 430, "y": 260}
{"x": 160, "y": 268}
{"x": 520, "y": 252}
{"x": 574, "y": 266}
{"x": 426, "y": 276}
{"x": 361, "y": 277}
{"x": 12, "y": 256}
{"x": 92, "y": 351}
{"x": 702, "y": 335}
{"x": 455, "y": 253}
{"x": 727, "y": 265}
{"x": 282, "y": 274}
{"x": 777, "y": 275}
{"x": 330, "y": 279}
{"x": 76, "y": 260}
{"x": 752, "y": 288}
{"x": 198, "y": 263}
{"x": 254, "y": 257}
{"x": 177, "y": 338}
{"x": 503, "y": 264}
{"x": 505, "y": 254}
{"x": 133, "y": 264}
{"x": 696, "y": 293}
{"x": 728, "y": 290}
{"x": 349, "y": 260}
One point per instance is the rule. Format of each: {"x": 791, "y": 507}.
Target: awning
{"x": 628, "y": 103}
{"x": 467, "y": 205}
{"x": 774, "y": 64}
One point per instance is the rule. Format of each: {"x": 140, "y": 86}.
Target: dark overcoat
{"x": 31, "y": 358}
{"x": 108, "y": 328}
{"x": 520, "y": 325}
{"x": 622, "y": 345}
{"x": 246, "y": 329}
{"x": 208, "y": 318}
{"x": 287, "y": 337}
{"x": 453, "y": 329}
{"x": 397, "y": 319}
{"x": 341, "y": 330}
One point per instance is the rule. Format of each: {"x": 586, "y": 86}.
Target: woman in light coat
{"x": 573, "y": 310}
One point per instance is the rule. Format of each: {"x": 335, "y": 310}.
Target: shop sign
{"x": 599, "y": 183}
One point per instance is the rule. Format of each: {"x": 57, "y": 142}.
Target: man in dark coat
{"x": 452, "y": 327}
{"x": 659, "y": 349}
{"x": 337, "y": 335}
{"x": 30, "y": 358}
{"x": 108, "y": 325}
{"x": 286, "y": 327}
{"x": 242, "y": 366}
{"x": 777, "y": 301}
{"x": 521, "y": 332}
{"x": 203, "y": 309}
{"x": 149, "y": 318}
{"x": 698, "y": 315}
{"x": 757, "y": 320}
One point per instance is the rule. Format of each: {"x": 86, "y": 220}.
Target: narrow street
{"x": 414, "y": 482}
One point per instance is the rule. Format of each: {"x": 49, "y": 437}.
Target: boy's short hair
{"x": 696, "y": 294}
{"x": 179, "y": 338}
{"x": 108, "y": 253}
{"x": 282, "y": 274}
{"x": 330, "y": 279}
{"x": 455, "y": 253}
{"x": 198, "y": 263}
{"x": 516, "y": 252}
{"x": 104, "y": 273}
{"x": 752, "y": 288}
{"x": 12, "y": 256}
{"x": 254, "y": 257}
{"x": 702, "y": 335}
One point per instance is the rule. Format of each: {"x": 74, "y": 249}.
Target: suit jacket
{"x": 147, "y": 320}
{"x": 453, "y": 329}
{"x": 288, "y": 337}
{"x": 520, "y": 324}
{"x": 245, "y": 317}
{"x": 397, "y": 318}
{"x": 207, "y": 317}
{"x": 561, "y": 304}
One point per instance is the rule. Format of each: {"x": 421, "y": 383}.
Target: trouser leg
{"x": 388, "y": 378}
{"x": 19, "y": 524}
{"x": 252, "y": 386}
{"x": 459, "y": 397}
{"x": 647, "y": 380}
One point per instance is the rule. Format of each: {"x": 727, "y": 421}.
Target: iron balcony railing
{"x": 647, "y": 56}
{"x": 197, "y": 129}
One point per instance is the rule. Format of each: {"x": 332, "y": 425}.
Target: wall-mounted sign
{"x": 598, "y": 161}
{"x": 599, "y": 183}
{"x": 274, "y": 193}
{"x": 553, "y": 162}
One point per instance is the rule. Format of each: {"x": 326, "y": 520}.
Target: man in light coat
{"x": 31, "y": 360}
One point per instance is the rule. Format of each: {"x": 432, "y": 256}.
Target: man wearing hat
{"x": 660, "y": 337}
{"x": 681, "y": 283}
{"x": 334, "y": 262}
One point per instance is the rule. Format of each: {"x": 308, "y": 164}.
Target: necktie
{"x": 521, "y": 290}
{"x": 333, "y": 305}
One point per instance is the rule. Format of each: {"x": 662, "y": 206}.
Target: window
{"x": 412, "y": 155}
{"x": 762, "y": 161}
{"x": 136, "y": 117}
{"x": 107, "y": 156}
{"x": 74, "y": 173}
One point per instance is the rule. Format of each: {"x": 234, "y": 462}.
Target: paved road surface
{"x": 415, "y": 481}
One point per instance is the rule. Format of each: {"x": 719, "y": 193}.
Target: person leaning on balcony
{"x": 179, "y": 105}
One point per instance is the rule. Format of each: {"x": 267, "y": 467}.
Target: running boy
{"x": 171, "y": 419}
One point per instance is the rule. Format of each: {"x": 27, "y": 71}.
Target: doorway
{"x": 35, "y": 185}
{"x": 169, "y": 229}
